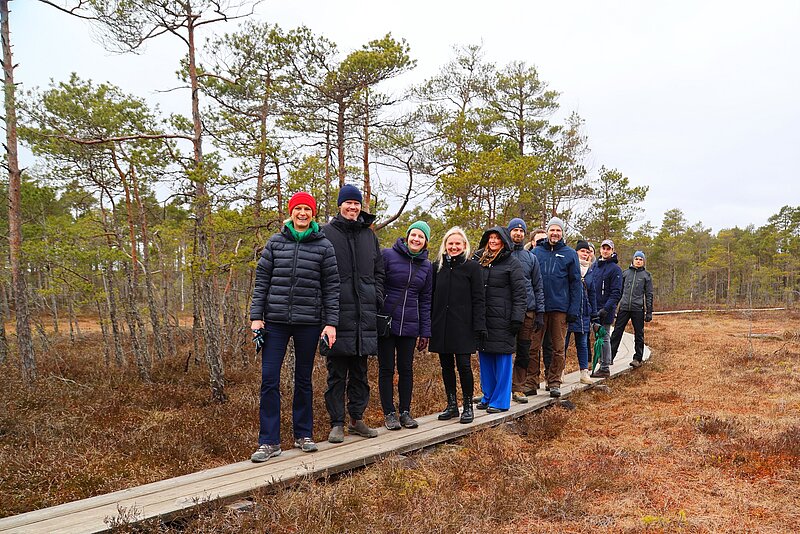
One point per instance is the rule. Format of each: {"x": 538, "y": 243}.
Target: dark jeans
{"x": 637, "y": 318}
{"x": 400, "y": 349}
{"x": 346, "y": 373}
{"x": 305, "y": 347}
{"x": 449, "y": 362}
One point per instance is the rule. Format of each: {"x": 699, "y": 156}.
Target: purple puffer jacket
{"x": 410, "y": 309}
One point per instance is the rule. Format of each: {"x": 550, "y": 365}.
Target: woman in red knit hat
{"x": 296, "y": 295}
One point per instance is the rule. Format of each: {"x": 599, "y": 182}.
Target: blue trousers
{"x": 306, "y": 338}
{"x": 496, "y": 372}
{"x": 581, "y": 346}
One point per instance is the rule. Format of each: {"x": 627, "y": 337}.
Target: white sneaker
{"x": 585, "y": 377}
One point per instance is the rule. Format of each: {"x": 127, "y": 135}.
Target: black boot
{"x": 452, "y": 408}
{"x": 467, "y": 414}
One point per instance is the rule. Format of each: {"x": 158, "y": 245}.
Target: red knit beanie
{"x": 303, "y": 198}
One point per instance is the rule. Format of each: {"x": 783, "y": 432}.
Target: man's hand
{"x": 329, "y": 331}
{"x": 603, "y": 316}
{"x": 538, "y": 322}
{"x": 648, "y": 317}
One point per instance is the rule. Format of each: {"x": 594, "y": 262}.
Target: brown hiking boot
{"x": 360, "y": 428}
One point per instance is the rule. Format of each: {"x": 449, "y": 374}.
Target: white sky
{"x": 697, "y": 100}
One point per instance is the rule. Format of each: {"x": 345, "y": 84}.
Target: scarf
{"x": 488, "y": 257}
{"x": 300, "y": 236}
{"x": 584, "y": 267}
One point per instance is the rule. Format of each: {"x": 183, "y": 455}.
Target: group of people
{"x": 333, "y": 287}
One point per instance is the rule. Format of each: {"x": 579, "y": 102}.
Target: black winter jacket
{"x": 458, "y": 315}
{"x": 637, "y": 290}
{"x": 296, "y": 283}
{"x": 506, "y": 296}
{"x": 360, "y": 263}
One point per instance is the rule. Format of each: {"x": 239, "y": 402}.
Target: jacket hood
{"x": 402, "y": 247}
{"x": 611, "y": 259}
{"x": 504, "y": 237}
{"x": 364, "y": 220}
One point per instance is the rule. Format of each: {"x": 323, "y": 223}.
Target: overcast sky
{"x": 697, "y": 100}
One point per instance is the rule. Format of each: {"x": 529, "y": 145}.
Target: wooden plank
{"x": 168, "y": 498}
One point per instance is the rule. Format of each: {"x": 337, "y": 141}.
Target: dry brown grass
{"x": 704, "y": 438}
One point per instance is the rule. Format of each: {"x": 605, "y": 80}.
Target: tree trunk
{"x": 136, "y": 327}
{"x": 155, "y": 322}
{"x": 3, "y": 340}
{"x": 111, "y": 302}
{"x": 27, "y": 355}
{"x": 367, "y": 184}
{"x": 341, "y": 109}
{"x": 209, "y": 307}
{"x": 104, "y": 332}
{"x": 278, "y": 189}
{"x": 328, "y": 210}
{"x": 71, "y": 312}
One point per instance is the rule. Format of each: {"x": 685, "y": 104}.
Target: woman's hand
{"x": 329, "y": 331}
{"x": 256, "y": 325}
{"x": 422, "y": 343}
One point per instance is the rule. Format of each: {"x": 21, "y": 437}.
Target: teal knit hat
{"x": 423, "y": 227}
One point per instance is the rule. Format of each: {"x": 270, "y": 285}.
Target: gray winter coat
{"x": 296, "y": 283}
{"x": 637, "y": 290}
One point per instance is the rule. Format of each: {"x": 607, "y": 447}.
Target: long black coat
{"x": 506, "y": 296}
{"x": 459, "y": 307}
{"x": 358, "y": 257}
{"x": 296, "y": 283}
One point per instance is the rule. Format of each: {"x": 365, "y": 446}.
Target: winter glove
{"x": 422, "y": 343}
{"x": 538, "y": 322}
{"x": 603, "y": 316}
{"x": 595, "y": 319}
{"x": 572, "y": 318}
{"x": 648, "y": 317}
{"x": 259, "y": 338}
{"x": 514, "y": 327}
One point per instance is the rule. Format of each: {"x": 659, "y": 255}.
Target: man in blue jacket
{"x": 606, "y": 281}
{"x": 561, "y": 276}
{"x": 534, "y": 314}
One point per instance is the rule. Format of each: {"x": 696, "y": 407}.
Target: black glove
{"x": 538, "y": 322}
{"x": 648, "y": 317}
{"x": 603, "y": 315}
{"x": 572, "y": 318}
{"x": 259, "y": 338}
{"x": 595, "y": 319}
{"x": 515, "y": 326}
{"x": 422, "y": 343}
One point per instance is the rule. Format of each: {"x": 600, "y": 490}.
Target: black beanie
{"x": 582, "y": 244}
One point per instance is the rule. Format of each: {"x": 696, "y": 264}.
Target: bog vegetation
{"x": 139, "y": 217}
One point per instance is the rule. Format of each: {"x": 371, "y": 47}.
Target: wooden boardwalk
{"x": 172, "y": 497}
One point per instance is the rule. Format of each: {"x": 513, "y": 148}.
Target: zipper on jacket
{"x": 293, "y": 280}
{"x": 405, "y": 295}
{"x": 633, "y": 288}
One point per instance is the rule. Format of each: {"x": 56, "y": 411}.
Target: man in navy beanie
{"x": 533, "y": 323}
{"x": 360, "y": 264}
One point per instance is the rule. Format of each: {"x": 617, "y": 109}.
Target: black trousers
{"x": 637, "y": 318}
{"x": 449, "y": 363}
{"x": 398, "y": 349}
{"x": 346, "y": 374}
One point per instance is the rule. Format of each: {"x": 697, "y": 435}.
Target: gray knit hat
{"x": 557, "y": 222}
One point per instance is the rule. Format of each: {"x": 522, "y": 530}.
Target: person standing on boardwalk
{"x": 636, "y": 306}
{"x": 533, "y": 324}
{"x": 580, "y": 329}
{"x": 457, "y": 319}
{"x": 605, "y": 278}
{"x": 296, "y": 292}
{"x": 360, "y": 262}
{"x": 561, "y": 275}
{"x": 408, "y": 286}
{"x": 506, "y": 301}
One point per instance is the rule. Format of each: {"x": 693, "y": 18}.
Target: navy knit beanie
{"x": 516, "y": 222}
{"x": 349, "y": 192}
{"x": 582, "y": 243}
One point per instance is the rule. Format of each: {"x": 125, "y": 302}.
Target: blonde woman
{"x": 457, "y": 319}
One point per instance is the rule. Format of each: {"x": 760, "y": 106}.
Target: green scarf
{"x": 300, "y": 236}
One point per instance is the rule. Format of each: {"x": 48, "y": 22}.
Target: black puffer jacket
{"x": 506, "y": 296}
{"x": 296, "y": 283}
{"x": 459, "y": 307}
{"x": 360, "y": 263}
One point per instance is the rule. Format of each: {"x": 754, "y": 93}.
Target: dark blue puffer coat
{"x": 410, "y": 308}
{"x": 561, "y": 274}
{"x": 296, "y": 283}
{"x": 606, "y": 282}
